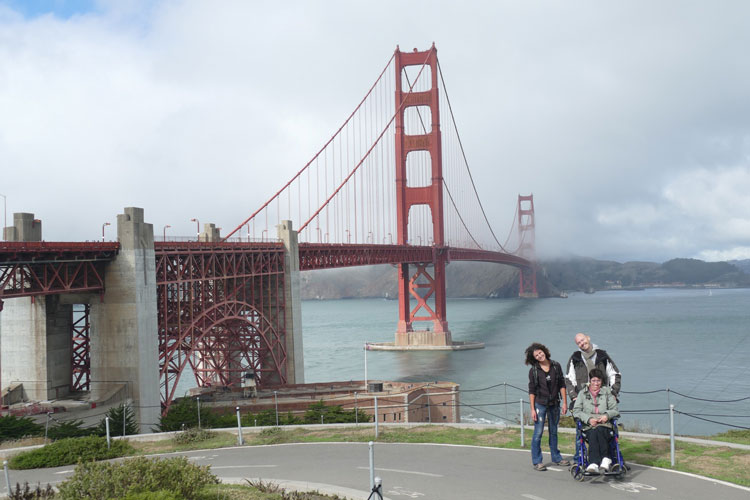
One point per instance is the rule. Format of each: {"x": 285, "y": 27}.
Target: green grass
{"x": 733, "y": 436}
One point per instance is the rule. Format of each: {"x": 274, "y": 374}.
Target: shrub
{"x": 26, "y": 493}
{"x": 70, "y": 451}
{"x": 115, "y": 415}
{"x": 70, "y": 429}
{"x": 12, "y": 427}
{"x": 140, "y": 475}
{"x": 332, "y": 414}
{"x": 193, "y": 435}
{"x": 156, "y": 495}
{"x": 184, "y": 413}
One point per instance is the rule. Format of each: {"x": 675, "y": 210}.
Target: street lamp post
{"x": 198, "y": 228}
{"x": 164, "y": 232}
{"x": 103, "y": 226}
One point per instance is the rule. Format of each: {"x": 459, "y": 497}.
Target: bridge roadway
{"x": 430, "y": 471}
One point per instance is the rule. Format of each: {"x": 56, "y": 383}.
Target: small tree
{"x": 116, "y": 415}
{"x": 184, "y": 413}
{"x": 72, "y": 428}
{"x": 12, "y": 427}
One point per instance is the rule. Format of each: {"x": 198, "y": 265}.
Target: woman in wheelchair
{"x": 596, "y": 407}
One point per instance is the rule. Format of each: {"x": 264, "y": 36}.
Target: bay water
{"x": 686, "y": 347}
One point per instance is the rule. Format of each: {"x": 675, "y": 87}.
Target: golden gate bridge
{"x": 391, "y": 186}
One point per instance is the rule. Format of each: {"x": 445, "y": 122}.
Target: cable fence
{"x": 482, "y": 404}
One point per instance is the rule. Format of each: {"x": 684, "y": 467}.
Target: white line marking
{"x": 556, "y": 469}
{"x": 404, "y": 471}
{"x": 532, "y": 497}
{"x": 64, "y": 472}
{"x": 241, "y": 466}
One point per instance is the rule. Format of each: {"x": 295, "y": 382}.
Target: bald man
{"x": 586, "y": 358}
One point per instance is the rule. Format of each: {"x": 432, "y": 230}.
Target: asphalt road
{"x": 430, "y": 471}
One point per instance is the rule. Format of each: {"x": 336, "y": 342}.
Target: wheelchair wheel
{"x": 577, "y": 472}
{"x": 618, "y": 471}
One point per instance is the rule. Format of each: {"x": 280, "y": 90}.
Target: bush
{"x": 193, "y": 435}
{"x": 156, "y": 495}
{"x": 70, "y": 429}
{"x": 70, "y": 451}
{"x": 268, "y": 417}
{"x": 332, "y": 414}
{"x": 26, "y": 493}
{"x": 115, "y": 415}
{"x": 12, "y": 427}
{"x": 184, "y": 413}
{"x": 138, "y": 476}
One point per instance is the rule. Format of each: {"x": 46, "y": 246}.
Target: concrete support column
{"x": 124, "y": 325}
{"x": 25, "y": 228}
{"x": 293, "y": 310}
{"x": 210, "y": 233}
{"x": 35, "y": 332}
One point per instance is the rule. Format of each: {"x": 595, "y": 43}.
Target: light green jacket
{"x": 584, "y": 407}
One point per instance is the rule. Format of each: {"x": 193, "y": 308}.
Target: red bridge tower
{"x": 527, "y": 250}
{"x": 421, "y": 285}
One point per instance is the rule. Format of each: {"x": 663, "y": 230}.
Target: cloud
{"x": 629, "y": 124}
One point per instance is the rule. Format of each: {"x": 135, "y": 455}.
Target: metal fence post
{"x": 505, "y": 399}
{"x": 523, "y": 437}
{"x": 376, "y": 417}
{"x": 106, "y": 424}
{"x": 199, "y": 412}
{"x": 372, "y": 465}
{"x": 356, "y": 411}
{"x": 276, "y": 405}
{"x": 429, "y": 413}
{"x": 7, "y": 477}
{"x": 124, "y": 419}
{"x": 239, "y": 427}
{"x": 46, "y": 428}
{"x": 671, "y": 435}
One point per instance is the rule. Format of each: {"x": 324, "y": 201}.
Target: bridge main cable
{"x": 298, "y": 174}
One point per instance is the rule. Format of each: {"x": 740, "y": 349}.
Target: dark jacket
{"x": 577, "y": 375}
{"x": 538, "y": 383}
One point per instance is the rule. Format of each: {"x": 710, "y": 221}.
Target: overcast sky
{"x": 628, "y": 121}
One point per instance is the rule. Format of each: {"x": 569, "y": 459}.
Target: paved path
{"x": 430, "y": 471}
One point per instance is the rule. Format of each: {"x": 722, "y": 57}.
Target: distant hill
{"x": 744, "y": 265}
{"x": 485, "y": 280}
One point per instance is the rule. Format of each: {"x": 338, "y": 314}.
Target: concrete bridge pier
{"x": 292, "y": 299}
{"x": 124, "y": 339}
{"x": 35, "y": 345}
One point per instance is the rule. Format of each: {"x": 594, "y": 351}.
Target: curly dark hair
{"x": 596, "y": 372}
{"x": 530, "y": 360}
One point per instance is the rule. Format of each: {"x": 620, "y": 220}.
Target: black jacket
{"x": 577, "y": 376}
{"x": 538, "y": 384}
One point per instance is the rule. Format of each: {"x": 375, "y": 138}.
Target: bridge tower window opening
{"x": 417, "y": 120}
{"x": 418, "y": 169}
{"x": 418, "y": 81}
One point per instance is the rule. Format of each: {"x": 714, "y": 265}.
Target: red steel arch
{"x": 221, "y": 310}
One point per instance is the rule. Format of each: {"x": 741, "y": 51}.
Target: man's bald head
{"x": 583, "y": 342}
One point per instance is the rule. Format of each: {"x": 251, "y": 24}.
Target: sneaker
{"x": 606, "y": 464}
{"x": 539, "y": 467}
{"x": 593, "y": 468}
{"x": 563, "y": 463}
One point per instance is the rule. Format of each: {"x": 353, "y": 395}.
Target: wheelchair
{"x": 578, "y": 469}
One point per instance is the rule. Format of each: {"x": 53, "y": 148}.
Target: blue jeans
{"x": 552, "y": 415}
